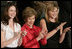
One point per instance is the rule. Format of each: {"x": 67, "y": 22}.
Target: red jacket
{"x": 29, "y": 40}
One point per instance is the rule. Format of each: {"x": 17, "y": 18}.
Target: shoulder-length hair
{"x": 50, "y": 6}
{"x": 5, "y": 17}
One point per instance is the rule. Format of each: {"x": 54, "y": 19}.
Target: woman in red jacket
{"x": 33, "y": 34}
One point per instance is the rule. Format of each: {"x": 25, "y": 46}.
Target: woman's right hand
{"x": 24, "y": 33}
{"x": 61, "y": 25}
{"x": 41, "y": 35}
{"x": 44, "y": 30}
{"x": 16, "y": 35}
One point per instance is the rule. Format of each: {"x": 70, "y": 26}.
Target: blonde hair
{"x": 50, "y": 6}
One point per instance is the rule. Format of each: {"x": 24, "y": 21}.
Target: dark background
{"x": 64, "y": 6}
{"x": 64, "y": 15}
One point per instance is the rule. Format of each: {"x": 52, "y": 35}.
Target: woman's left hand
{"x": 67, "y": 29}
{"x": 61, "y": 27}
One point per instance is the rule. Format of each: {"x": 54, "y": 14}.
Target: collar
{"x": 27, "y": 27}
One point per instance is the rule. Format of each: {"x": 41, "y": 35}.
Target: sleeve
{"x": 2, "y": 27}
{"x": 18, "y": 27}
{"x": 30, "y": 44}
{"x": 22, "y": 28}
{"x": 43, "y": 41}
{"x": 38, "y": 29}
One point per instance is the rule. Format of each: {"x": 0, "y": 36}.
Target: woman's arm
{"x": 43, "y": 25}
{"x": 63, "y": 34}
{"x": 61, "y": 30}
{"x": 32, "y": 43}
{"x": 4, "y": 42}
{"x": 20, "y": 41}
{"x": 51, "y": 33}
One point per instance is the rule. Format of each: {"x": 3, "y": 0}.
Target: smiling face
{"x": 12, "y": 12}
{"x": 30, "y": 20}
{"x": 53, "y": 13}
{"x": 29, "y": 15}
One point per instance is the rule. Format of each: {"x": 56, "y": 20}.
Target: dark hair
{"x": 28, "y": 12}
{"x": 5, "y": 17}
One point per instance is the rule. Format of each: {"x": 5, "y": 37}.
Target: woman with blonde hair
{"x": 49, "y": 22}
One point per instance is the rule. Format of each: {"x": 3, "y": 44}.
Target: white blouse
{"x": 10, "y": 34}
